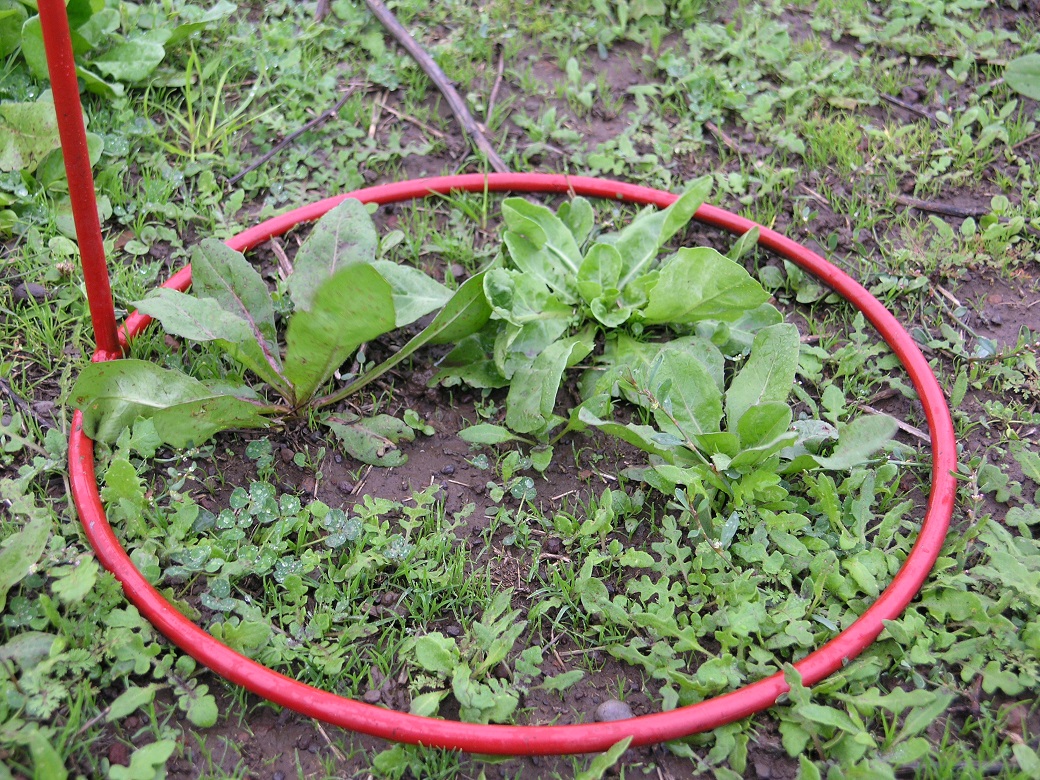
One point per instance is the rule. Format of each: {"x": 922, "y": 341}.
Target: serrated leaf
{"x": 23, "y": 550}
{"x": 701, "y": 284}
{"x": 114, "y": 394}
{"x": 352, "y": 307}
{"x": 768, "y": 374}
{"x": 562, "y": 682}
{"x": 345, "y": 236}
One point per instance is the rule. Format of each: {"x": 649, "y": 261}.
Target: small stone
{"x": 763, "y": 770}
{"x": 553, "y": 545}
{"x": 457, "y": 270}
{"x": 285, "y": 454}
{"x": 119, "y": 754}
{"x": 371, "y": 697}
{"x": 304, "y": 742}
{"x": 448, "y": 470}
{"x": 612, "y": 709}
{"x": 389, "y": 599}
{"x": 910, "y": 95}
{"x": 279, "y": 775}
{"x": 307, "y": 485}
{"x": 995, "y": 298}
{"x": 453, "y": 630}
{"x": 338, "y": 458}
{"x": 345, "y": 486}
{"x": 28, "y": 291}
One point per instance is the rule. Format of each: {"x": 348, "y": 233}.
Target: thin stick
{"x": 495, "y": 87}
{"x": 909, "y": 107}
{"x": 905, "y": 427}
{"x": 431, "y": 69}
{"x": 422, "y": 125}
{"x": 936, "y": 207}
{"x": 1025, "y": 141}
{"x": 320, "y": 119}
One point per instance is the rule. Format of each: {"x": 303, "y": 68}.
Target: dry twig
{"x": 433, "y": 70}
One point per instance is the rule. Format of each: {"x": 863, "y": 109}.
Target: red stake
{"x": 58, "y": 44}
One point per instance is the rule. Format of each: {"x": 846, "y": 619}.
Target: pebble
{"x": 553, "y": 545}
{"x": 338, "y": 458}
{"x": 389, "y": 599}
{"x": 307, "y": 485}
{"x": 453, "y": 630}
{"x": 371, "y": 696}
{"x": 279, "y": 775}
{"x": 457, "y": 270}
{"x": 448, "y": 470}
{"x": 119, "y": 754}
{"x": 28, "y": 291}
{"x": 612, "y": 709}
{"x": 285, "y": 454}
{"x": 910, "y": 95}
{"x": 345, "y": 486}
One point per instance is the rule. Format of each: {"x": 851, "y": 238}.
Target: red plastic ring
{"x": 544, "y": 740}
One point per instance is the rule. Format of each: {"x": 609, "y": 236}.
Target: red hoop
{"x": 535, "y": 740}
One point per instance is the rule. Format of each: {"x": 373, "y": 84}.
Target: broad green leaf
{"x": 687, "y": 394}
{"x": 352, "y": 307}
{"x": 471, "y": 362}
{"x": 28, "y": 133}
{"x": 130, "y": 700}
{"x": 516, "y": 347}
{"x": 427, "y": 705}
{"x": 23, "y": 550}
{"x": 47, "y": 763}
{"x": 540, "y": 244}
{"x": 532, "y": 395}
{"x": 437, "y": 653}
{"x": 185, "y": 411}
{"x": 700, "y": 284}
{"x": 744, "y": 244}
{"x": 578, "y": 216}
{"x": 148, "y": 761}
{"x": 639, "y": 243}
{"x": 201, "y": 708}
{"x": 27, "y": 648}
{"x": 343, "y": 237}
{"x": 764, "y": 423}
{"x": 415, "y": 294}
{"x": 95, "y": 30}
{"x": 130, "y": 61}
{"x": 78, "y": 582}
{"x": 12, "y": 17}
{"x": 462, "y": 316}
{"x": 638, "y": 356}
{"x": 600, "y": 270}
{"x": 94, "y": 83}
{"x": 519, "y": 298}
{"x": 488, "y": 434}
{"x": 32, "y": 48}
{"x": 219, "y": 272}
{"x": 768, "y": 374}
{"x": 1022, "y": 74}
{"x": 604, "y": 761}
{"x": 858, "y": 441}
{"x": 203, "y": 319}
{"x": 373, "y": 440}
{"x": 641, "y": 436}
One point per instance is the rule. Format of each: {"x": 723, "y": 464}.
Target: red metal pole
{"x": 58, "y": 45}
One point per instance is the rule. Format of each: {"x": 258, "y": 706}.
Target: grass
{"x": 793, "y": 106}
